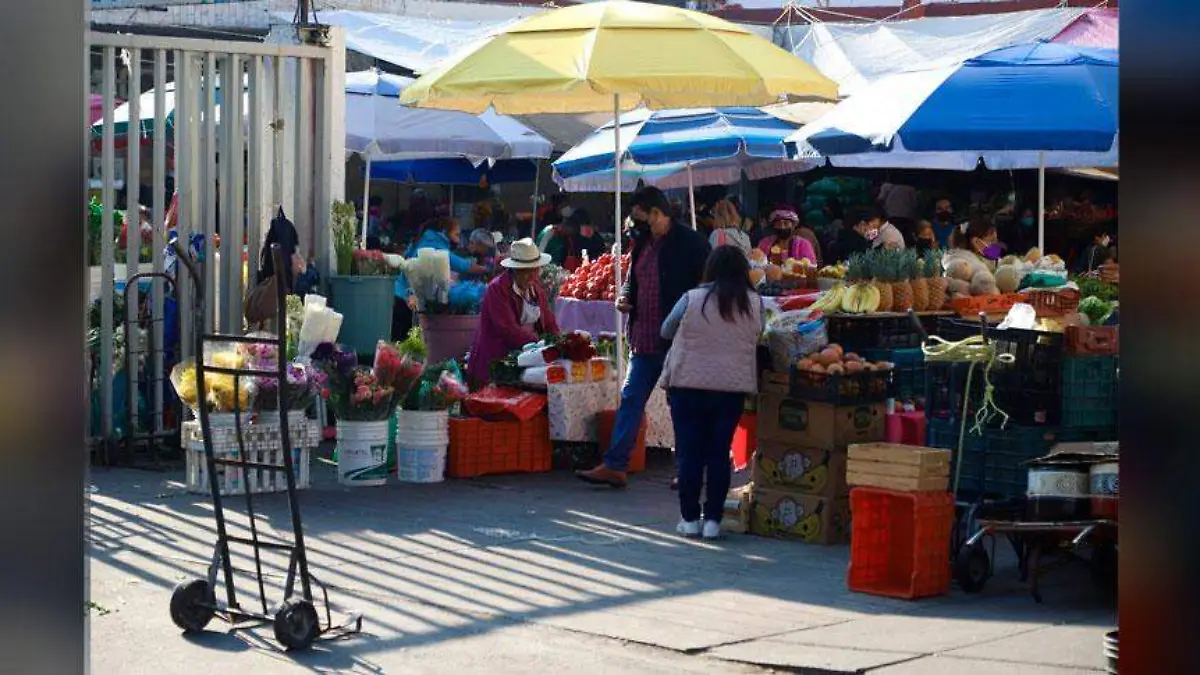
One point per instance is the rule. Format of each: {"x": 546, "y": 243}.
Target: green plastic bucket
{"x": 365, "y": 304}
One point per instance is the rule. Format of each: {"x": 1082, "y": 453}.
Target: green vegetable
{"x": 1090, "y": 287}
{"x": 1096, "y": 310}
{"x": 414, "y": 344}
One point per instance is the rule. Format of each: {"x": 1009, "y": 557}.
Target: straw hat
{"x": 524, "y": 254}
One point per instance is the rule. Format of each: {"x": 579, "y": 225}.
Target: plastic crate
{"x": 1087, "y": 434}
{"x": 1093, "y": 340}
{"x": 1052, "y": 303}
{"x": 1029, "y": 389}
{"x": 908, "y": 377}
{"x": 972, "y": 305}
{"x": 479, "y": 448}
{"x": 860, "y": 332}
{"x": 848, "y": 389}
{"x": 945, "y": 386}
{"x": 992, "y": 464}
{"x": 1089, "y": 392}
{"x": 898, "y": 542}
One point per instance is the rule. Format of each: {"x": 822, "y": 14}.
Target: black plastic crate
{"x": 1089, "y": 392}
{"x": 860, "y": 332}
{"x": 945, "y": 386}
{"x": 846, "y": 389}
{"x": 993, "y": 464}
{"x": 908, "y": 376}
{"x": 1087, "y": 434}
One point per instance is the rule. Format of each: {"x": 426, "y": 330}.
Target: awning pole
{"x": 366, "y": 199}
{"x": 691, "y": 195}
{"x": 617, "y": 230}
{"x": 537, "y": 179}
{"x": 1042, "y": 202}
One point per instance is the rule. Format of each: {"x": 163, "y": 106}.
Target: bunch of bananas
{"x": 831, "y": 300}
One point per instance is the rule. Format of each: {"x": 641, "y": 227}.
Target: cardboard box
{"x": 781, "y": 514}
{"x": 737, "y": 510}
{"x": 810, "y": 471}
{"x": 771, "y": 382}
{"x": 906, "y": 468}
{"x": 819, "y": 425}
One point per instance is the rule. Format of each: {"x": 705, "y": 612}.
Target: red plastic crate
{"x": 604, "y": 426}
{"x": 898, "y": 542}
{"x": 479, "y": 448}
{"x": 745, "y": 441}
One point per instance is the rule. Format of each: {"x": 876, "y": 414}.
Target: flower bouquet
{"x": 361, "y": 394}
{"x": 440, "y": 388}
{"x": 370, "y": 263}
{"x": 396, "y": 369}
{"x": 429, "y": 278}
{"x": 319, "y": 324}
{"x": 220, "y": 393}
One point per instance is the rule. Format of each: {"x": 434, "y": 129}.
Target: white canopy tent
{"x": 854, "y": 54}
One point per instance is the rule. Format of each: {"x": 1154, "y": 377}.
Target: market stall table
{"x": 591, "y": 316}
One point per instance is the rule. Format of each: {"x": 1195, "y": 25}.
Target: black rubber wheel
{"x": 192, "y": 605}
{"x": 972, "y": 567}
{"x": 1104, "y": 567}
{"x": 297, "y": 624}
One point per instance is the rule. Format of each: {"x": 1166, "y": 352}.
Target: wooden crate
{"x": 904, "y": 468}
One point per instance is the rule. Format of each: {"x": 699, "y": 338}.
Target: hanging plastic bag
{"x": 794, "y": 335}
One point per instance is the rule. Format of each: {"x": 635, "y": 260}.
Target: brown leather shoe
{"x": 602, "y": 475}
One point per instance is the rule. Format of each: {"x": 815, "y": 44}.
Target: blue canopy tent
{"x": 1027, "y": 106}
{"x": 454, "y": 171}
{"x": 681, "y": 148}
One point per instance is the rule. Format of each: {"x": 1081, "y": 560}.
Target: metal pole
{"x": 302, "y": 11}
{"x": 537, "y": 179}
{"x": 1042, "y": 202}
{"x": 366, "y": 196}
{"x": 691, "y": 195}
{"x": 617, "y": 223}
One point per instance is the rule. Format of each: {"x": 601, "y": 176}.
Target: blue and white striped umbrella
{"x": 711, "y": 146}
{"x": 1019, "y": 107}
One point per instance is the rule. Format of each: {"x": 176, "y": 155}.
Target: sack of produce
{"x": 793, "y": 335}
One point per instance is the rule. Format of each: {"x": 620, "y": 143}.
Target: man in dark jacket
{"x": 668, "y": 260}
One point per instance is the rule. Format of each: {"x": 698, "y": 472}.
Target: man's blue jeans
{"x": 644, "y": 371}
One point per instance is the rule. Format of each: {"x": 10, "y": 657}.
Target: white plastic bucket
{"x": 422, "y": 438}
{"x": 362, "y": 453}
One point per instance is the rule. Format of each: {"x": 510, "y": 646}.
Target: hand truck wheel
{"x": 192, "y": 605}
{"x": 972, "y": 567}
{"x": 297, "y": 624}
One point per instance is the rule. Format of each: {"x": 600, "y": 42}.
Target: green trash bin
{"x": 365, "y": 304}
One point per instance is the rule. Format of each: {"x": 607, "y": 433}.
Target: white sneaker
{"x": 712, "y": 529}
{"x": 688, "y": 528}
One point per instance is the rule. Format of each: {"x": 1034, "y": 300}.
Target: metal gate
{"x": 182, "y": 124}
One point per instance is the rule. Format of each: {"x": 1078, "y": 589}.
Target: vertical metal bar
{"x": 1042, "y": 202}
{"x": 255, "y": 184}
{"x": 303, "y": 135}
{"x": 160, "y": 231}
{"x": 233, "y": 171}
{"x": 133, "y": 234}
{"x": 186, "y": 175}
{"x": 107, "y": 168}
{"x": 208, "y": 111}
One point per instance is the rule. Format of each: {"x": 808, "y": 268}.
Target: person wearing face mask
{"x": 515, "y": 310}
{"x": 975, "y": 243}
{"x": 924, "y": 237}
{"x": 943, "y": 222}
{"x": 785, "y": 242}
{"x": 440, "y": 234}
{"x": 1096, "y": 254}
{"x": 883, "y": 233}
{"x": 852, "y": 238}
{"x": 588, "y": 239}
{"x": 667, "y": 260}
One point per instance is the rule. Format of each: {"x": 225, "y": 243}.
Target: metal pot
{"x": 1104, "y": 487}
{"x": 1058, "y": 492}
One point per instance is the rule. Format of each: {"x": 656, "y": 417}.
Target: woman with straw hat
{"x": 514, "y": 312}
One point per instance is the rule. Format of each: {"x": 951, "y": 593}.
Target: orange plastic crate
{"x": 745, "y": 440}
{"x": 1053, "y": 303}
{"x": 900, "y": 542}
{"x": 479, "y": 448}
{"x": 971, "y": 305}
{"x": 604, "y": 428}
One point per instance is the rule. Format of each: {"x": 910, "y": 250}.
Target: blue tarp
{"x": 454, "y": 171}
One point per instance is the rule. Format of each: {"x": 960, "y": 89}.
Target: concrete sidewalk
{"x": 537, "y": 574}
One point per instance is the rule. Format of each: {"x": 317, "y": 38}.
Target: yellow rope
{"x": 973, "y": 350}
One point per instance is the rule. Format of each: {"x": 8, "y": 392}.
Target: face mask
{"x": 924, "y": 244}
{"x": 871, "y": 234}
{"x": 992, "y": 252}
{"x": 783, "y": 233}
{"x": 1027, "y": 221}
{"x": 1105, "y": 242}
{"x": 944, "y": 215}
{"x": 641, "y": 227}
{"x": 586, "y": 231}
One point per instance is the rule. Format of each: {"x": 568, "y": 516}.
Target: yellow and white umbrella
{"x": 617, "y": 55}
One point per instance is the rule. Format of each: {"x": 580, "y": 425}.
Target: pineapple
{"x": 920, "y": 287}
{"x": 902, "y": 292}
{"x": 935, "y": 280}
{"x": 860, "y": 297}
{"x": 879, "y": 272}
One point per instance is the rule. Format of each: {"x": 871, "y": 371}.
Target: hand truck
{"x": 194, "y": 603}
